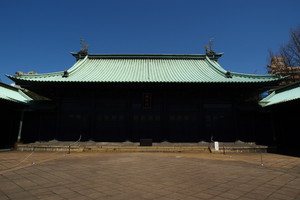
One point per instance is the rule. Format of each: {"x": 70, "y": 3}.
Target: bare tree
{"x": 291, "y": 50}
{"x": 286, "y": 61}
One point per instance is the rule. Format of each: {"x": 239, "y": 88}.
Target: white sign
{"x": 217, "y": 146}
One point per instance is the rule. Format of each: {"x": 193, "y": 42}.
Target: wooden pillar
{"x": 20, "y": 126}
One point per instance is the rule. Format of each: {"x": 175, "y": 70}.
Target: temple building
{"x": 121, "y": 97}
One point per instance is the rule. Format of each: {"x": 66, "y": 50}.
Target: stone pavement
{"x": 159, "y": 176}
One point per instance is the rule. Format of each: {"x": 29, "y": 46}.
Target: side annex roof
{"x": 282, "y": 95}
{"x": 13, "y": 94}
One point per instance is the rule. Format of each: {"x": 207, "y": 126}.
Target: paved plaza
{"x": 159, "y": 176}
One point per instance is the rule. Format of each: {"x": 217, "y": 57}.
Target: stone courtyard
{"x": 159, "y": 176}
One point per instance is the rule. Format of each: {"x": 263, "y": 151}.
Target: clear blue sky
{"x": 38, "y": 35}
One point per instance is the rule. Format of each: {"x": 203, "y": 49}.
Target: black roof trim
{"x": 147, "y": 56}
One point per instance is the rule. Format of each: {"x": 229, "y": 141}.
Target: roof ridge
{"x": 287, "y": 87}
{"x": 8, "y": 86}
{"x": 255, "y": 75}
{"x": 218, "y": 69}
{"x": 77, "y": 65}
{"x": 28, "y": 98}
{"x": 147, "y": 56}
{"x": 50, "y": 74}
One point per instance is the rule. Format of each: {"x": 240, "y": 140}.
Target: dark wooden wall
{"x": 172, "y": 112}
{"x": 9, "y": 121}
{"x": 286, "y": 129}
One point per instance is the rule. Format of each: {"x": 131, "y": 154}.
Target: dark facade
{"x": 10, "y": 122}
{"x": 286, "y": 129}
{"x": 162, "y": 112}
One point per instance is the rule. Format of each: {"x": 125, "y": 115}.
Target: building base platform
{"x": 219, "y": 147}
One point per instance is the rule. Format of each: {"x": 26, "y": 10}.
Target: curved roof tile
{"x": 146, "y": 68}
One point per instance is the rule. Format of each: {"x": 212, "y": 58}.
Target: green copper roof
{"x": 147, "y": 69}
{"x": 282, "y": 95}
{"x": 10, "y": 93}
